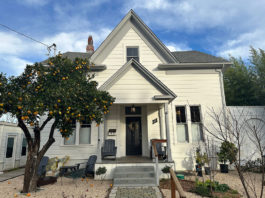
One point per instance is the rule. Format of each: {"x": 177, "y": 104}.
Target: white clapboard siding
{"x": 117, "y": 56}
{"x": 140, "y": 88}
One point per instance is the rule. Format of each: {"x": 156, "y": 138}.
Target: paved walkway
{"x": 135, "y": 192}
{"x": 11, "y": 174}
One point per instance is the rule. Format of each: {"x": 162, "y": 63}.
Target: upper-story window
{"x": 133, "y": 52}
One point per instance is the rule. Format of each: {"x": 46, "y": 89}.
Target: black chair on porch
{"x": 161, "y": 150}
{"x": 109, "y": 149}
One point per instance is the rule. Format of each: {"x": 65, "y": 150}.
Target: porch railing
{"x": 175, "y": 185}
{"x": 154, "y": 142}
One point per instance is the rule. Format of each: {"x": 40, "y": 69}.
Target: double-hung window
{"x": 182, "y": 132}
{"x": 196, "y": 124}
{"x": 85, "y": 132}
{"x": 132, "y": 52}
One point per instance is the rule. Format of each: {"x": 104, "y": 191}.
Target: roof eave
{"x": 193, "y": 66}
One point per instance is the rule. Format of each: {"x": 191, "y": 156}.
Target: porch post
{"x": 100, "y": 140}
{"x": 161, "y": 123}
{"x": 168, "y": 134}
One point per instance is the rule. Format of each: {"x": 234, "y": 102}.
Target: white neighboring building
{"x": 13, "y": 146}
{"x": 159, "y": 95}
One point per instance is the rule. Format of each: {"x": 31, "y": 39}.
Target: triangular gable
{"x": 159, "y": 48}
{"x": 165, "y": 91}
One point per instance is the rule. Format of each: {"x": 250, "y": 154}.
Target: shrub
{"x": 228, "y": 152}
{"x": 166, "y": 169}
{"x": 222, "y": 188}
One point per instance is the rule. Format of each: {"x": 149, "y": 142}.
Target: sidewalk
{"x": 11, "y": 174}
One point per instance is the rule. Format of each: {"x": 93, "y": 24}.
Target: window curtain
{"x": 85, "y": 135}
{"x": 182, "y": 133}
{"x": 196, "y": 131}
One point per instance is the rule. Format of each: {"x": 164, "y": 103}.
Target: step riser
{"x": 133, "y": 169}
{"x": 134, "y": 181}
{"x": 134, "y": 175}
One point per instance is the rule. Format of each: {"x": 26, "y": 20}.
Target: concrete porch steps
{"x": 134, "y": 176}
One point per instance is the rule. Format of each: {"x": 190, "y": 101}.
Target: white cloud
{"x": 17, "y": 51}
{"x": 179, "y": 47}
{"x": 240, "y": 46}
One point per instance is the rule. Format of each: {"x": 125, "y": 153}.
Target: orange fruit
{"x": 28, "y": 195}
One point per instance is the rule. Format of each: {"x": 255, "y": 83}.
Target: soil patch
{"x": 187, "y": 185}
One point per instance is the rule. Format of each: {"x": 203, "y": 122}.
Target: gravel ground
{"x": 93, "y": 189}
{"x": 90, "y": 188}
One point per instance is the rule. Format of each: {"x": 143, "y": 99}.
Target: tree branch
{"x": 22, "y": 125}
{"x": 45, "y": 122}
{"x": 50, "y": 141}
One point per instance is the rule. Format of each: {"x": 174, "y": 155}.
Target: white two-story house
{"x": 159, "y": 95}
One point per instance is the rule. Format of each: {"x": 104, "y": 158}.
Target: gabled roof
{"x": 149, "y": 36}
{"x": 84, "y": 55}
{"x": 196, "y": 57}
{"x": 143, "y": 71}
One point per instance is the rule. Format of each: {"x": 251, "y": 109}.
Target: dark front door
{"x": 133, "y": 136}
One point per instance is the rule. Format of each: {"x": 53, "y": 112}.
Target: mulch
{"x": 187, "y": 185}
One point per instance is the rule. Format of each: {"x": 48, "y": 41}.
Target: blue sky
{"x": 219, "y": 27}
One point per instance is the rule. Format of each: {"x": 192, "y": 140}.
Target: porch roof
{"x": 167, "y": 93}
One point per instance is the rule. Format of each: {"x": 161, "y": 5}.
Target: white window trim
{"x": 77, "y": 128}
{"x": 125, "y": 57}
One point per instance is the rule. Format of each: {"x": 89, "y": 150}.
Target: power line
{"x": 24, "y": 35}
{"x": 48, "y": 46}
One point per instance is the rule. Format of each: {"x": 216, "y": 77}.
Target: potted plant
{"x": 101, "y": 172}
{"x": 207, "y": 169}
{"x": 166, "y": 170}
{"x": 199, "y": 162}
{"x": 228, "y": 152}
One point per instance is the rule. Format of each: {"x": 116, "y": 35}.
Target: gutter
{"x": 191, "y": 66}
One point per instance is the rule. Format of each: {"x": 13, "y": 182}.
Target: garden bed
{"x": 190, "y": 186}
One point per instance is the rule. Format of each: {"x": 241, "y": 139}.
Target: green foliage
{"x": 201, "y": 159}
{"x": 166, "y": 169}
{"x": 228, "y": 152}
{"x": 222, "y": 188}
{"x": 204, "y": 188}
{"x": 63, "y": 91}
{"x": 244, "y": 84}
{"x": 101, "y": 170}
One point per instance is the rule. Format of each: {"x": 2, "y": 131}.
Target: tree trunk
{"x": 30, "y": 172}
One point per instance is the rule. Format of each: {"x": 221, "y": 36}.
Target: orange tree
{"x": 61, "y": 93}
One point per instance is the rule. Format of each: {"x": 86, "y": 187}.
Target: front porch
{"x": 132, "y": 127}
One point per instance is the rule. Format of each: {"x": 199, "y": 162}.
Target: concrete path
{"x": 135, "y": 192}
{"x": 11, "y": 174}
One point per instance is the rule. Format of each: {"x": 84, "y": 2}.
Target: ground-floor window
{"x": 72, "y": 138}
{"x": 10, "y": 147}
{"x": 84, "y": 133}
{"x": 24, "y": 147}
{"x": 182, "y": 132}
{"x": 196, "y": 124}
